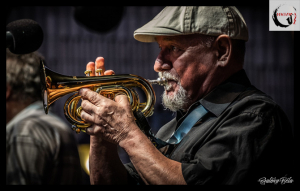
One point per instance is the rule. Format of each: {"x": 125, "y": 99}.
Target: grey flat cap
{"x": 183, "y": 20}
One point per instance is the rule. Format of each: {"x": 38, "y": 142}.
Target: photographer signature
{"x": 274, "y": 180}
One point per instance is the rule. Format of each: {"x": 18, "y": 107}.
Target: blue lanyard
{"x": 187, "y": 124}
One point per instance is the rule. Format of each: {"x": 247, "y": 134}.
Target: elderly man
{"x": 225, "y": 132}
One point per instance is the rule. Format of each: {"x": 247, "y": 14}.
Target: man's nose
{"x": 162, "y": 64}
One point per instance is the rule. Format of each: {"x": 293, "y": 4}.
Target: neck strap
{"x": 187, "y": 124}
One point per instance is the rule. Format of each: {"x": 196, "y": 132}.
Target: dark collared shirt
{"x": 245, "y": 137}
{"x": 41, "y": 149}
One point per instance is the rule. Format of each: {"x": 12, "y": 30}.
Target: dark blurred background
{"x": 70, "y": 43}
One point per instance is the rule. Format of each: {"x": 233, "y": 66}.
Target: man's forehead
{"x": 185, "y": 40}
{"x": 167, "y": 38}
{"x": 179, "y": 39}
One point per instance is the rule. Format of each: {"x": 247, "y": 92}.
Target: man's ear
{"x": 223, "y": 47}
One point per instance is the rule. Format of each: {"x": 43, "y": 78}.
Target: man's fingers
{"x": 100, "y": 68}
{"x": 122, "y": 99}
{"x": 109, "y": 72}
{"x": 97, "y": 68}
{"x": 86, "y": 116}
{"x": 94, "y": 128}
{"x": 88, "y": 107}
{"x": 90, "y": 95}
{"x": 90, "y": 66}
{"x": 90, "y": 130}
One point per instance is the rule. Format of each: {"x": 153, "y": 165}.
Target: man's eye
{"x": 174, "y": 49}
{"x": 170, "y": 48}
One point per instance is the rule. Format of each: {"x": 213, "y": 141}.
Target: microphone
{"x": 23, "y": 36}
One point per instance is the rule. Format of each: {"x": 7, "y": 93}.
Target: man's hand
{"x": 111, "y": 120}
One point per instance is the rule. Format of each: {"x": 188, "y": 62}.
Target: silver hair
{"x": 205, "y": 40}
{"x": 208, "y": 40}
{"x": 22, "y": 75}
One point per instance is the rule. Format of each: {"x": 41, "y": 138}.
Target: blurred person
{"x": 226, "y": 131}
{"x": 40, "y": 148}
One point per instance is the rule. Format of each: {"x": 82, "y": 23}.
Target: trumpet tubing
{"x": 55, "y": 86}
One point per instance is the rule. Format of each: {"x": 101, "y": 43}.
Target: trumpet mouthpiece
{"x": 160, "y": 81}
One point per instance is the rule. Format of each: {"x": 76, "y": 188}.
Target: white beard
{"x": 179, "y": 99}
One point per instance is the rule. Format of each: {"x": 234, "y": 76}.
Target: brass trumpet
{"x": 55, "y": 86}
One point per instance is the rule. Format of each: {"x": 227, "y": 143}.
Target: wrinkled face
{"x": 188, "y": 65}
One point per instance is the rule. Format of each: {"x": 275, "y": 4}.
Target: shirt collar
{"x": 221, "y": 96}
{"x": 224, "y": 94}
{"x": 27, "y": 111}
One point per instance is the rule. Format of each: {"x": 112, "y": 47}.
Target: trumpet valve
{"x": 99, "y": 71}
{"x": 87, "y": 72}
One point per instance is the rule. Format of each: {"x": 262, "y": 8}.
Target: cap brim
{"x": 149, "y": 36}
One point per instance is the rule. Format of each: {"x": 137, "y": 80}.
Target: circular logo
{"x": 284, "y": 15}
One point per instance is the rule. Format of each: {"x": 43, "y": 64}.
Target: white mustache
{"x": 169, "y": 76}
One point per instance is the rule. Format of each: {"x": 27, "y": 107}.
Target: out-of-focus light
{"x": 87, "y": 165}
{"x": 84, "y": 151}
